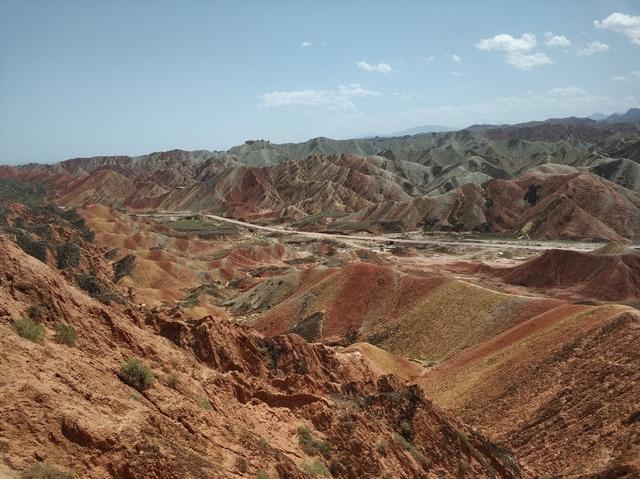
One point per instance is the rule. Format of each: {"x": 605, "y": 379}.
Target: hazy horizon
{"x": 88, "y": 78}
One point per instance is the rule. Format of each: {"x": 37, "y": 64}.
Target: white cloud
{"x": 380, "y": 67}
{"x": 340, "y": 99}
{"x": 455, "y": 73}
{"x": 593, "y": 47}
{"x": 567, "y": 91}
{"x": 527, "y": 62}
{"x": 305, "y": 44}
{"x": 619, "y": 22}
{"x": 430, "y": 58}
{"x": 517, "y": 50}
{"x": 556, "y": 40}
{"x": 621, "y": 78}
{"x": 507, "y": 43}
{"x": 455, "y": 58}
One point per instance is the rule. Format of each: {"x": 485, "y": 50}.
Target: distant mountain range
{"x": 446, "y": 180}
{"x": 423, "y": 129}
{"x": 632, "y": 114}
{"x": 417, "y": 130}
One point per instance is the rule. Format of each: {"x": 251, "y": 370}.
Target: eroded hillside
{"x": 223, "y": 402}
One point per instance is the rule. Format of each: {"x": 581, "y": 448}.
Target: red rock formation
{"x": 609, "y": 277}
{"x": 233, "y": 407}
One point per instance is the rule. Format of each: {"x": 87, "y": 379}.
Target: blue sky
{"x": 82, "y": 78}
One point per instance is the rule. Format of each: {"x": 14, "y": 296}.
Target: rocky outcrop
{"x": 226, "y": 401}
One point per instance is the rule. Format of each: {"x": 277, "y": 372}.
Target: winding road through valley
{"x": 409, "y": 239}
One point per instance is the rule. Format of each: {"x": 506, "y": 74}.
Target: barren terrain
{"x": 460, "y": 305}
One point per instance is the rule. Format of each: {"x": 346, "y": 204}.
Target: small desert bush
{"x": 312, "y": 445}
{"x": 463, "y": 467}
{"x": 262, "y": 475}
{"x": 36, "y": 248}
{"x": 172, "y": 380}
{"x": 345, "y": 417}
{"x": 405, "y": 429}
{"x": 316, "y": 469}
{"x": 242, "y": 465}
{"x": 67, "y": 256}
{"x": 382, "y": 446}
{"x": 30, "y": 329}
{"x": 136, "y": 374}
{"x": 41, "y": 470}
{"x": 36, "y": 311}
{"x": 204, "y": 403}
{"x": 413, "y": 450}
{"x": 65, "y": 334}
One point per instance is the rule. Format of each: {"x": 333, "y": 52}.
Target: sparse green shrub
{"x": 40, "y": 470}
{"x": 405, "y": 429}
{"x": 242, "y": 465}
{"x": 29, "y": 193}
{"x": 345, "y": 417}
{"x": 30, "y": 329}
{"x": 413, "y": 450}
{"x": 315, "y": 469}
{"x": 382, "y": 446}
{"x": 65, "y": 334}
{"x": 36, "y": 311}
{"x": 123, "y": 267}
{"x": 336, "y": 467}
{"x": 260, "y": 474}
{"x": 263, "y": 444}
{"x": 112, "y": 253}
{"x": 312, "y": 445}
{"x": 37, "y": 249}
{"x": 67, "y": 256}
{"x": 136, "y": 374}
{"x": 79, "y": 224}
{"x": 463, "y": 467}
{"x": 204, "y": 403}
{"x": 172, "y": 380}
{"x": 97, "y": 289}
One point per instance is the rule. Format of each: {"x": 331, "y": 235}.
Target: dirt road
{"x": 494, "y": 243}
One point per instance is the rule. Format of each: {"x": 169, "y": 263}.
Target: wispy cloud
{"x": 455, "y": 58}
{"x": 341, "y": 98}
{"x": 455, "y": 73}
{"x": 407, "y": 96}
{"x": 506, "y": 43}
{"x": 556, "y": 102}
{"x": 305, "y": 44}
{"x": 621, "y": 78}
{"x": 517, "y": 51}
{"x": 628, "y": 25}
{"x": 527, "y": 62}
{"x": 593, "y": 47}
{"x": 428, "y": 59}
{"x": 379, "y": 68}
{"x": 567, "y": 91}
{"x": 556, "y": 40}
{"x": 552, "y": 103}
